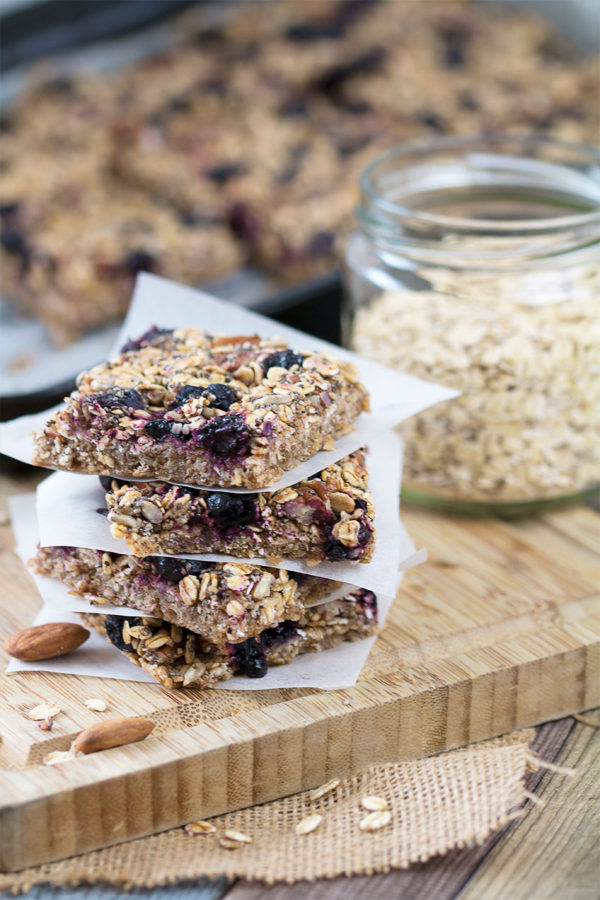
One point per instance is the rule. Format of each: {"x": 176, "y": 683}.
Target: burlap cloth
{"x": 437, "y": 804}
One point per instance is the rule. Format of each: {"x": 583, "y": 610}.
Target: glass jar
{"x": 476, "y": 264}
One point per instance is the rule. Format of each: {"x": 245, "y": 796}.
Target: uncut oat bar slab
{"x": 326, "y": 517}
{"x": 177, "y": 657}
{"x": 73, "y": 258}
{"x": 222, "y": 601}
{"x": 192, "y": 407}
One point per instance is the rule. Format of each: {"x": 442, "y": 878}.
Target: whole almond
{"x": 46, "y": 641}
{"x": 112, "y": 733}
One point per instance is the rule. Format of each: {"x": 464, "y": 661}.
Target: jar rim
{"x": 461, "y": 145}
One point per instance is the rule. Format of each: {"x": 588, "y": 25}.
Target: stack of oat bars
{"x": 231, "y": 414}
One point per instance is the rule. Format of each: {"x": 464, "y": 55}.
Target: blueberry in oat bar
{"x": 285, "y": 406}
{"x": 179, "y": 657}
{"x": 326, "y": 517}
{"x": 222, "y": 601}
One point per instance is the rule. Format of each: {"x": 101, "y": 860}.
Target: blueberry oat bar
{"x": 179, "y": 657}
{"x": 221, "y": 601}
{"x": 72, "y": 259}
{"x": 188, "y": 406}
{"x": 326, "y": 517}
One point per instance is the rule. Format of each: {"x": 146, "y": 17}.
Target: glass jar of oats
{"x": 476, "y": 264}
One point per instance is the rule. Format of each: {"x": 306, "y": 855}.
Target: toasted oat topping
{"x": 238, "y": 836}
{"x": 55, "y": 757}
{"x": 186, "y": 405}
{"x": 151, "y": 383}
{"x": 374, "y": 803}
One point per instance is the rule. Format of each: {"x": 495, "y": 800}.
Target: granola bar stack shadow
{"x": 224, "y": 412}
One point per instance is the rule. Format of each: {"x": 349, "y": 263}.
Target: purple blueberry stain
{"x": 225, "y": 436}
{"x": 367, "y": 601}
{"x": 8, "y": 210}
{"x": 244, "y": 223}
{"x": 138, "y": 261}
{"x": 224, "y": 173}
{"x": 120, "y": 398}
{"x": 321, "y": 244}
{"x": 14, "y": 243}
{"x": 336, "y": 551}
{"x": 148, "y": 338}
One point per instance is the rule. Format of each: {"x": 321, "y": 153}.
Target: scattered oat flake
{"x": 308, "y": 824}
{"x": 58, "y": 756}
{"x": 46, "y": 725}
{"x": 373, "y": 803}
{"x": 96, "y": 704}
{"x": 238, "y": 836}
{"x": 375, "y": 820}
{"x": 325, "y": 789}
{"x": 43, "y": 711}
{"x": 201, "y": 827}
{"x": 229, "y": 845}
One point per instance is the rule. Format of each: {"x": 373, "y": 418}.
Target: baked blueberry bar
{"x": 178, "y": 657}
{"x": 221, "y": 601}
{"x": 326, "y": 517}
{"x": 72, "y": 259}
{"x": 188, "y": 406}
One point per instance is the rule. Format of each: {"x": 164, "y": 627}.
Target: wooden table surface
{"x": 553, "y": 851}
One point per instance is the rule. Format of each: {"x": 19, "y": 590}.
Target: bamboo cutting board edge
{"x": 532, "y": 655}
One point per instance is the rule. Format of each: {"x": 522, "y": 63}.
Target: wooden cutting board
{"x": 499, "y": 630}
